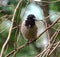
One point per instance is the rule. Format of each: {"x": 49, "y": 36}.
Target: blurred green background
{"x": 6, "y": 11}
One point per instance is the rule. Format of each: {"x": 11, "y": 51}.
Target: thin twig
{"x": 5, "y": 43}
{"x": 40, "y": 54}
{"x": 49, "y": 2}
{"x": 5, "y": 16}
{"x": 54, "y": 48}
{"x": 16, "y": 27}
{"x": 52, "y": 40}
{"x": 56, "y": 34}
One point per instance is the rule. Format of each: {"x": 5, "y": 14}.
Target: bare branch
{"x": 54, "y": 48}
{"x": 49, "y": 2}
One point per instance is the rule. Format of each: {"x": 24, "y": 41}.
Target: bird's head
{"x": 30, "y": 22}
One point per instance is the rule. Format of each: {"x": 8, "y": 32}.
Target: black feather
{"x": 30, "y": 22}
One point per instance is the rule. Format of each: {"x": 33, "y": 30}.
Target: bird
{"x": 29, "y": 28}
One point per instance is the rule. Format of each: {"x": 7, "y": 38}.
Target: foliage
{"x": 16, "y": 38}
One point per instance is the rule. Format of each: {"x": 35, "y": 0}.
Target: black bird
{"x": 29, "y": 28}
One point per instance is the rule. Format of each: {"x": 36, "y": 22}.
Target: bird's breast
{"x": 29, "y": 33}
